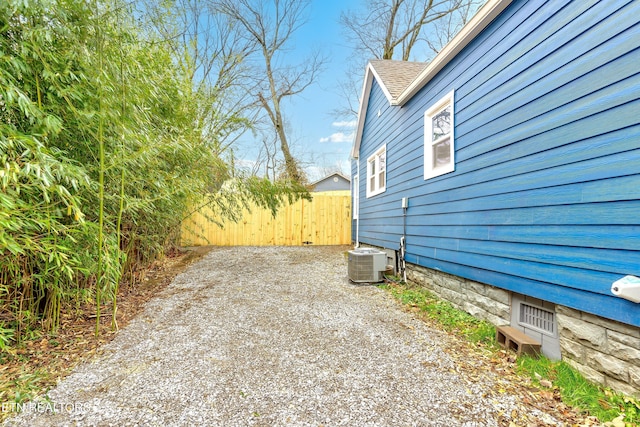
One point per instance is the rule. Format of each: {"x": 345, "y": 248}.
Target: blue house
{"x": 510, "y": 168}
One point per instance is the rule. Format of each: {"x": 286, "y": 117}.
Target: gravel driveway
{"x": 274, "y": 336}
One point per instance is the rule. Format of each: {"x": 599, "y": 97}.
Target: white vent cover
{"x": 537, "y": 318}
{"x": 366, "y": 265}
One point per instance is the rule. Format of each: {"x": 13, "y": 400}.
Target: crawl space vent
{"x": 537, "y": 318}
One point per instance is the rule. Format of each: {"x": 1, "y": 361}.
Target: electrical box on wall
{"x": 405, "y": 202}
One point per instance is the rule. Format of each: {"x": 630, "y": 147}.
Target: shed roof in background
{"x": 334, "y": 182}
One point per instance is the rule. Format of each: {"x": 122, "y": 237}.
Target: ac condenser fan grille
{"x": 366, "y": 265}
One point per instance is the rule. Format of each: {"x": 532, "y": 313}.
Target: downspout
{"x": 357, "y": 207}
{"x": 403, "y": 239}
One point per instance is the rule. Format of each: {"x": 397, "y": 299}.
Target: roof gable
{"x": 331, "y": 176}
{"x": 334, "y": 182}
{"x": 395, "y": 76}
{"x": 401, "y": 80}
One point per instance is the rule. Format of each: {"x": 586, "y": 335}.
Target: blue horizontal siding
{"x": 624, "y": 188}
{"x": 545, "y": 196}
{"x": 605, "y": 306}
{"x": 605, "y": 214}
{"x": 609, "y": 107}
{"x": 568, "y": 277}
{"x": 544, "y": 61}
{"x": 585, "y": 259}
{"x": 621, "y": 237}
{"x": 556, "y": 89}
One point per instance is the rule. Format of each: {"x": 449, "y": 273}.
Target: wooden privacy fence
{"x": 324, "y": 221}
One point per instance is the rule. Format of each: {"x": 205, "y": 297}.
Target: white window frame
{"x": 431, "y": 171}
{"x": 355, "y": 190}
{"x": 375, "y": 170}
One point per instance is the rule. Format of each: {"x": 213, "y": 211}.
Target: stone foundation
{"x": 483, "y": 301}
{"x": 604, "y": 351}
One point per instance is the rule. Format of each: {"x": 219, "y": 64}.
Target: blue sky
{"x": 315, "y": 131}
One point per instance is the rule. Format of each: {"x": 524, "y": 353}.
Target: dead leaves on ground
{"x": 32, "y": 368}
{"x": 502, "y": 365}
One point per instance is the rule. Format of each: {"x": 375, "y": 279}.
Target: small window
{"x": 438, "y": 138}
{"x": 377, "y": 172}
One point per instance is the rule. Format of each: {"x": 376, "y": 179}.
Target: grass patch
{"x": 575, "y": 391}
{"x": 578, "y": 392}
{"x": 444, "y": 313}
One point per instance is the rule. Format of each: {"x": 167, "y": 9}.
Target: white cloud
{"x": 345, "y": 124}
{"x": 339, "y": 137}
{"x": 343, "y": 136}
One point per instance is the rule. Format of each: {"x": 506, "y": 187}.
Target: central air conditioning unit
{"x": 367, "y": 265}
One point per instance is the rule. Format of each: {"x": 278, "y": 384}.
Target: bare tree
{"x": 390, "y": 29}
{"x": 337, "y": 167}
{"x": 213, "y": 54}
{"x": 349, "y": 88}
{"x": 267, "y": 158}
{"x": 448, "y": 26}
{"x": 395, "y": 29}
{"x": 271, "y": 24}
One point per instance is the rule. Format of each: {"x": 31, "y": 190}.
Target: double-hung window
{"x": 377, "y": 172}
{"x": 438, "y": 138}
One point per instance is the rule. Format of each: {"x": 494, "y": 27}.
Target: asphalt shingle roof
{"x": 397, "y": 75}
